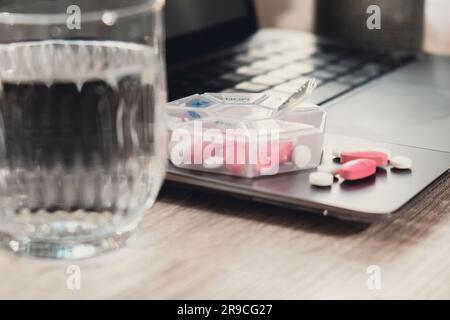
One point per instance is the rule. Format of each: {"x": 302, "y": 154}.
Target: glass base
{"x": 65, "y": 249}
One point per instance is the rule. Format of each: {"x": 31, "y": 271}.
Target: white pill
{"x": 177, "y": 154}
{"x": 213, "y": 162}
{"x": 336, "y": 152}
{"x": 384, "y": 150}
{"x": 301, "y": 156}
{"x": 321, "y": 179}
{"x": 400, "y": 162}
{"x": 329, "y": 168}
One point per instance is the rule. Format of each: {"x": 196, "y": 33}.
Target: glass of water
{"x": 82, "y": 133}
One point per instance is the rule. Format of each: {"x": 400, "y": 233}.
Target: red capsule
{"x": 380, "y": 158}
{"x": 286, "y": 148}
{"x": 358, "y": 169}
{"x": 238, "y": 169}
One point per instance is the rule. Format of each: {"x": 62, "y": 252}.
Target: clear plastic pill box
{"x": 244, "y": 134}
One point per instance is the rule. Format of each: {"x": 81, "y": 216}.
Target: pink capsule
{"x": 236, "y": 152}
{"x": 285, "y": 150}
{"x": 358, "y": 169}
{"x": 380, "y": 158}
{"x": 238, "y": 169}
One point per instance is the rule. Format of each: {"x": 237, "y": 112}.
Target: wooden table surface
{"x": 197, "y": 245}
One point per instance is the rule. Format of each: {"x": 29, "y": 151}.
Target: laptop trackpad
{"x": 406, "y": 114}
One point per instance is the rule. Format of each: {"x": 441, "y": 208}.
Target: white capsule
{"x": 301, "y": 156}
{"x": 329, "y": 168}
{"x": 321, "y": 179}
{"x": 400, "y": 162}
{"x": 213, "y": 162}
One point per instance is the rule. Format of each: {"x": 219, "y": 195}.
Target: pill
{"x": 384, "y": 150}
{"x": 321, "y": 179}
{"x": 235, "y": 168}
{"x": 301, "y": 156}
{"x": 285, "y": 150}
{"x": 267, "y": 169}
{"x": 329, "y": 168}
{"x": 380, "y": 158}
{"x": 400, "y": 162}
{"x": 357, "y": 169}
{"x": 180, "y": 153}
{"x": 236, "y": 152}
{"x": 213, "y": 162}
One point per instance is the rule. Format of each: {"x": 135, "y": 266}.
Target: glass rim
{"x": 9, "y": 18}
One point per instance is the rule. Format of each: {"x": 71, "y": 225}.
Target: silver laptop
{"x": 394, "y": 98}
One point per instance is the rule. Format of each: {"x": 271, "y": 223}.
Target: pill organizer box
{"x": 244, "y": 134}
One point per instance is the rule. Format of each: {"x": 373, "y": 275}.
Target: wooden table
{"x": 196, "y": 245}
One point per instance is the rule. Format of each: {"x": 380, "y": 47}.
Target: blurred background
{"x": 423, "y": 24}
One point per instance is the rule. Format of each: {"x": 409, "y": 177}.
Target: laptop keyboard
{"x": 281, "y": 67}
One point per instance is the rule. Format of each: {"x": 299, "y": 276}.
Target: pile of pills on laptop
{"x": 357, "y": 165}
{"x": 244, "y": 134}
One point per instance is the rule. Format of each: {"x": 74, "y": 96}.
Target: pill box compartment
{"x": 218, "y": 137}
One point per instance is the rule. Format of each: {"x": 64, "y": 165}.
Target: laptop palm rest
{"x": 409, "y": 107}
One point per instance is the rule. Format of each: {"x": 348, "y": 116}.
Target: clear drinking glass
{"x": 82, "y": 135}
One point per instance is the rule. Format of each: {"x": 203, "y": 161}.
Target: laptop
{"x": 375, "y": 98}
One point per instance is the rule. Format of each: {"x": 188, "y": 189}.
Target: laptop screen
{"x": 191, "y": 16}
{"x": 193, "y": 26}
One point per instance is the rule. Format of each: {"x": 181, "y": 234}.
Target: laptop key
{"x": 264, "y": 65}
{"x": 275, "y": 61}
{"x": 328, "y": 91}
{"x": 243, "y": 58}
{"x": 304, "y": 52}
{"x": 323, "y": 74}
{"x": 259, "y": 53}
{"x": 326, "y": 57}
{"x": 300, "y": 68}
{"x": 234, "y": 77}
{"x": 249, "y": 71}
{"x": 350, "y": 63}
{"x": 282, "y": 59}
{"x": 352, "y": 80}
{"x": 283, "y": 73}
{"x": 370, "y": 70}
{"x": 251, "y": 87}
{"x": 267, "y": 80}
{"x": 314, "y": 62}
{"x": 337, "y": 68}
{"x": 285, "y": 88}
